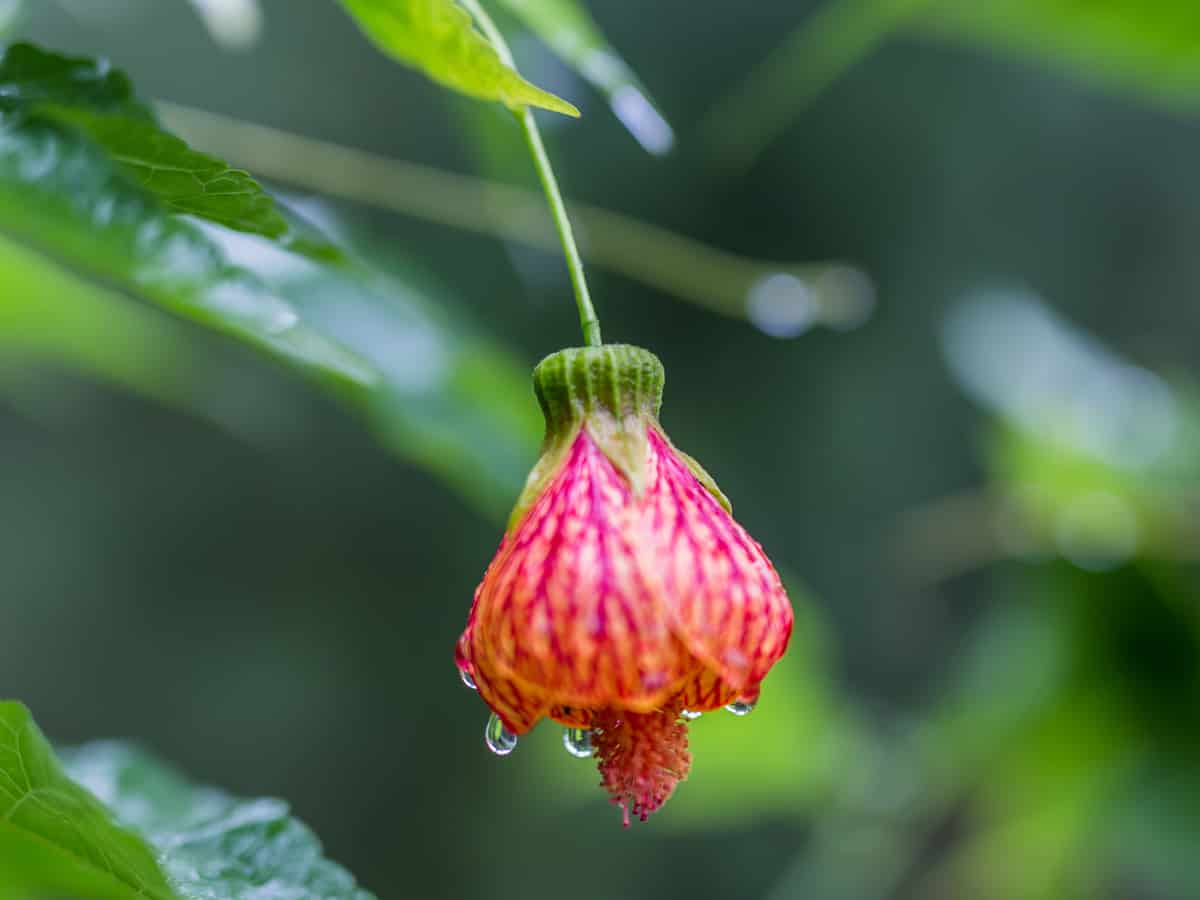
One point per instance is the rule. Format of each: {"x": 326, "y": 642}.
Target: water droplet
{"x": 499, "y": 739}
{"x": 467, "y": 679}
{"x": 578, "y": 742}
{"x": 740, "y": 708}
{"x": 689, "y": 715}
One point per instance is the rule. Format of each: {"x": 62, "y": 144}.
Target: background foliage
{"x": 990, "y": 491}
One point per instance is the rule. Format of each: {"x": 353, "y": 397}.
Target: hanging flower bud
{"x": 624, "y": 598}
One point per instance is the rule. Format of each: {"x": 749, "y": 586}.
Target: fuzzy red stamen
{"x": 642, "y": 757}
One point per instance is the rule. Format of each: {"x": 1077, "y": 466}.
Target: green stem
{"x": 707, "y": 276}
{"x": 588, "y": 320}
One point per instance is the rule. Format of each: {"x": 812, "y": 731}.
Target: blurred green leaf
{"x": 56, "y": 839}
{"x": 98, "y": 101}
{"x": 1155, "y": 819}
{"x": 1041, "y": 801}
{"x": 757, "y": 108}
{"x": 1091, "y": 511}
{"x": 93, "y": 330}
{"x": 1149, "y": 47}
{"x": 571, "y": 32}
{"x": 436, "y": 391}
{"x": 1095, "y": 458}
{"x": 212, "y": 846}
{"x": 438, "y": 37}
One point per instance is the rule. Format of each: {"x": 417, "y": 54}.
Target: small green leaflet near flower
{"x": 571, "y": 32}
{"x": 439, "y": 38}
{"x": 56, "y": 839}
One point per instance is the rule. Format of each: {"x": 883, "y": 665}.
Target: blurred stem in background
{"x": 1143, "y": 50}
{"x": 754, "y": 112}
{"x": 782, "y": 299}
{"x": 963, "y": 532}
{"x": 588, "y": 321}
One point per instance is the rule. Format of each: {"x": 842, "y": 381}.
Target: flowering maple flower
{"x": 624, "y": 598}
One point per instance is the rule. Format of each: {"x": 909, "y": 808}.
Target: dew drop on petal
{"x": 467, "y": 679}
{"x": 689, "y": 715}
{"x": 499, "y": 739}
{"x": 740, "y": 708}
{"x": 578, "y": 742}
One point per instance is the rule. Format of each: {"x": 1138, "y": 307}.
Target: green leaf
{"x": 436, "y": 391}
{"x": 213, "y": 846}
{"x": 30, "y": 75}
{"x": 93, "y": 330}
{"x": 571, "y": 32}
{"x": 56, "y": 839}
{"x": 438, "y": 37}
{"x": 1147, "y": 47}
{"x": 113, "y": 823}
{"x": 1097, "y": 495}
{"x": 98, "y": 102}
{"x": 184, "y": 180}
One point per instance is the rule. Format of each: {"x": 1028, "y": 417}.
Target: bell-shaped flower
{"x": 624, "y": 598}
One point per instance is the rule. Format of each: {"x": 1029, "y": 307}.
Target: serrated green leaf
{"x": 56, "y": 839}
{"x": 30, "y": 75}
{"x": 212, "y": 846}
{"x": 571, "y": 32}
{"x": 184, "y": 180}
{"x": 113, "y": 823}
{"x": 64, "y": 196}
{"x": 435, "y": 390}
{"x": 439, "y": 38}
{"x": 98, "y": 102}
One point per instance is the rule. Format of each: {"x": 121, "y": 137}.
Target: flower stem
{"x": 698, "y": 273}
{"x": 588, "y": 320}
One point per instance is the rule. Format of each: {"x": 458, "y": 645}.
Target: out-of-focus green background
{"x": 978, "y": 703}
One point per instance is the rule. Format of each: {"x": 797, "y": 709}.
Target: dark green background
{"x": 275, "y": 610}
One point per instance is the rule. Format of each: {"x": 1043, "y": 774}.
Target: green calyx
{"x": 615, "y": 382}
{"x": 615, "y": 392}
